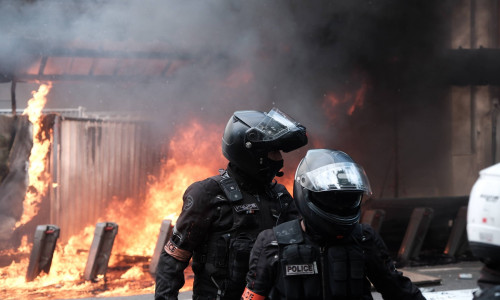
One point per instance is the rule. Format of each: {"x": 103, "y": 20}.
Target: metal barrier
{"x": 415, "y": 234}
{"x": 458, "y": 236}
{"x": 374, "y": 218}
{"x": 42, "y": 252}
{"x": 100, "y": 250}
{"x": 165, "y": 234}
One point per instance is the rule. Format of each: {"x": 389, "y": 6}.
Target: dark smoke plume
{"x": 255, "y": 55}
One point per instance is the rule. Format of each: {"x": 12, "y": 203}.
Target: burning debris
{"x": 38, "y": 175}
{"x": 185, "y": 76}
{"x": 81, "y": 265}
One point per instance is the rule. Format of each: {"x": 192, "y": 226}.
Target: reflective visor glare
{"x": 339, "y": 176}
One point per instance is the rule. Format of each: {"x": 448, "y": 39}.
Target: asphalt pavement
{"x": 451, "y": 281}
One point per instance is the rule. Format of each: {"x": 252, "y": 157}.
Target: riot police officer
{"x": 483, "y": 230}
{"x": 327, "y": 254}
{"x": 222, "y": 215}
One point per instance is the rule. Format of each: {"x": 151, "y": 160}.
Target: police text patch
{"x": 249, "y": 208}
{"x": 302, "y": 269}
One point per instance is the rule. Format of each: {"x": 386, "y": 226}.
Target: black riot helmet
{"x": 328, "y": 189}
{"x": 250, "y": 135}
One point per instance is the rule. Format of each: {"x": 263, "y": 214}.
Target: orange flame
{"x": 64, "y": 277}
{"x": 349, "y": 102}
{"x": 194, "y": 154}
{"x": 37, "y": 174}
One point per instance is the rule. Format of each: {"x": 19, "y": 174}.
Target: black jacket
{"x": 304, "y": 270}
{"x": 218, "y": 234}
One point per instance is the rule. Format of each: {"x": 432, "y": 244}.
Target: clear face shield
{"x": 276, "y": 131}
{"x": 335, "y": 190}
{"x": 275, "y": 124}
{"x": 342, "y": 176}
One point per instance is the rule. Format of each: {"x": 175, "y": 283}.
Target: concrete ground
{"x": 451, "y": 281}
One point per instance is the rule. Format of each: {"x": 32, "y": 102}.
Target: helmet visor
{"x": 332, "y": 201}
{"x": 275, "y": 124}
{"x": 345, "y": 176}
{"x": 338, "y": 207}
{"x": 276, "y": 131}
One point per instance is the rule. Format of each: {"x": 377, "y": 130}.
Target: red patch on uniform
{"x": 249, "y": 295}
{"x": 177, "y": 253}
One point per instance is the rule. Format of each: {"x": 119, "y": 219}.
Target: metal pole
{"x": 473, "y": 89}
{"x": 494, "y": 140}
{"x": 13, "y": 97}
{"x": 396, "y": 150}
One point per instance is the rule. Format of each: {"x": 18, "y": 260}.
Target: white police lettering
{"x": 248, "y": 208}
{"x": 302, "y": 269}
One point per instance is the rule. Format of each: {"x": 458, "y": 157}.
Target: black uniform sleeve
{"x": 289, "y": 210}
{"x": 190, "y": 231}
{"x": 382, "y": 272}
{"x": 263, "y": 263}
{"x": 197, "y": 215}
{"x": 169, "y": 277}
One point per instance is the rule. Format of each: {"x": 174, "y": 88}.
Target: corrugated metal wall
{"x": 93, "y": 161}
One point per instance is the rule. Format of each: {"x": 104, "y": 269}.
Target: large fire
{"x": 194, "y": 154}
{"x": 38, "y": 180}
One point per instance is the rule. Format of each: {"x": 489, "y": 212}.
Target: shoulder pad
{"x": 229, "y": 186}
{"x": 362, "y": 232}
{"x": 289, "y": 232}
{"x": 279, "y": 188}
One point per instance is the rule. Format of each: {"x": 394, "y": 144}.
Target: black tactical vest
{"x": 309, "y": 271}
{"x": 223, "y": 259}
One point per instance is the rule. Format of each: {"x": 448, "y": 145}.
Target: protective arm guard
{"x": 169, "y": 277}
